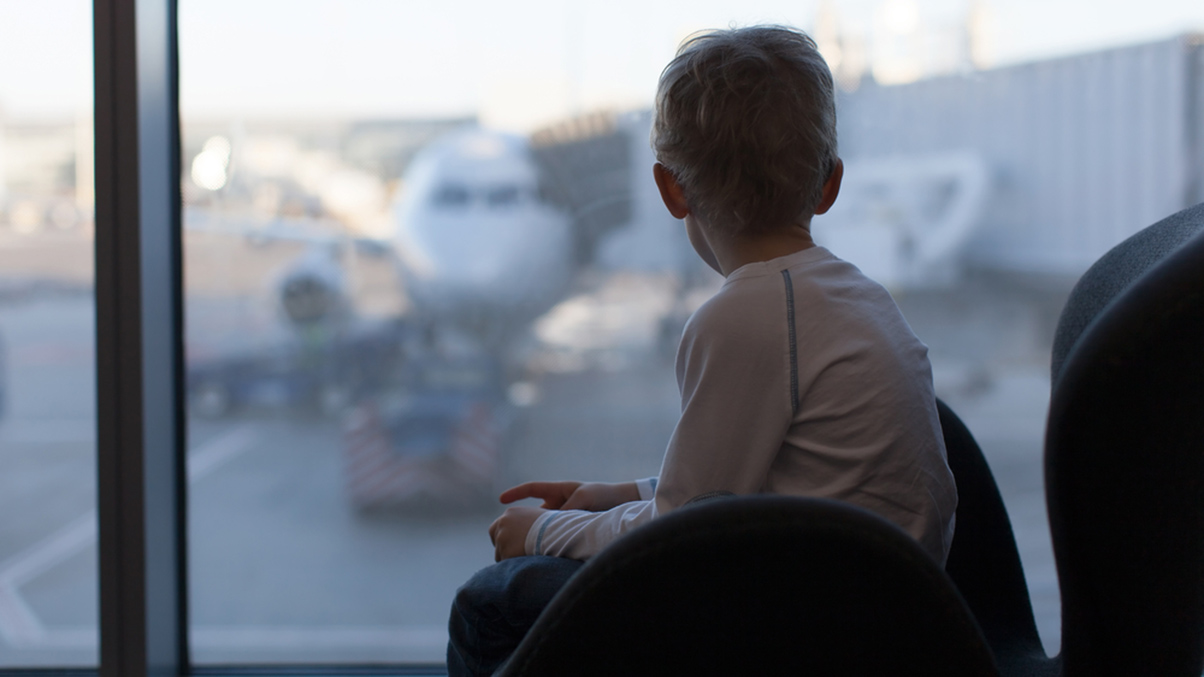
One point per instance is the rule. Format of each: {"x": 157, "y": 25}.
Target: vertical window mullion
{"x": 139, "y": 340}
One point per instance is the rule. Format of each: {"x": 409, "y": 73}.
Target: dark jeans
{"x": 494, "y": 610}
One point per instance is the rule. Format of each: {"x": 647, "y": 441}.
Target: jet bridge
{"x": 586, "y": 163}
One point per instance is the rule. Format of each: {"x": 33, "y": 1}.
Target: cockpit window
{"x": 502, "y": 196}
{"x": 452, "y": 195}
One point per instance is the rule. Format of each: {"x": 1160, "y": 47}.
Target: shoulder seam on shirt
{"x": 793, "y": 342}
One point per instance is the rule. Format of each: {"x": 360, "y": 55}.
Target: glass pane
{"x": 48, "y": 582}
{"x": 425, "y": 260}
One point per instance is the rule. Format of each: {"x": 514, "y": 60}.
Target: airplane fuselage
{"x": 481, "y": 249}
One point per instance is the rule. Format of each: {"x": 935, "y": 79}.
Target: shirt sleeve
{"x": 647, "y": 488}
{"x": 733, "y": 371}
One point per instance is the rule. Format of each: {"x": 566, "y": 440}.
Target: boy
{"x": 800, "y": 376}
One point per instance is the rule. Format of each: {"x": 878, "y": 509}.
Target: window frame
{"x": 141, "y": 423}
{"x": 139, "y": 355}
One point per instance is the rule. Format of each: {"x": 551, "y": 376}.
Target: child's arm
{"x": 591, "y": 496}
{"x": 734, "y": 373}
{"x": 508, "y": 533}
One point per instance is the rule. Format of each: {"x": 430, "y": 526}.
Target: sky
{"x": 501, "y": 60}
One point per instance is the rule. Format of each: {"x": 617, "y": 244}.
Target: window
{"x": 358, "y": 373}
{"x": 452, "y": 195}
{"x": 48, "y": 581}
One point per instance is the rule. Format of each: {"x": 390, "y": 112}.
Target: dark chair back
{"x": 983, "y": 561}
{"x": 1124, "y": 457}
{"x": 758, "y": 585}
{"x": 1115, "y": 272}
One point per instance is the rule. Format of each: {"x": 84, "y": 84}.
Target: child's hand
{"x": 509, "y": 532}
{"x": 592, "y": 496}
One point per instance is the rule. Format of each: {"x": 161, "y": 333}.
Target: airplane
{"x": 483, "y": 249}
{"x": 490, "y": 228}
{"x": 491, "y": 231}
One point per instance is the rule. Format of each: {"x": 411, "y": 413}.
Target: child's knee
{"x": 480, "y": 596}
{"x": 513, "y": 591}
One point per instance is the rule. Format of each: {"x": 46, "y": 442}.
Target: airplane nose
{"x": 509, "y": 263}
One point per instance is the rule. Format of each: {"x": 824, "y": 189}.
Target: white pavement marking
{"x": 19, "y": 626}
{"x": 207, "y": 458}
{"x": 64, "y": 543}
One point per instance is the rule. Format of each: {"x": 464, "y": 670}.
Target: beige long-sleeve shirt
{"x": 801, "y": 377}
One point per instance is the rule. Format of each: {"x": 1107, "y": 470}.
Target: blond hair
{"x": 746, "y": 123}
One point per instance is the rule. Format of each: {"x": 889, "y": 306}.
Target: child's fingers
{"x": 580, "y": 500}
{"x": 524, "y": 490}
{"x": 553, "y": 493}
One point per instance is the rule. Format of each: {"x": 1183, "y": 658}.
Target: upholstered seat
{"x": 758, "y": 585}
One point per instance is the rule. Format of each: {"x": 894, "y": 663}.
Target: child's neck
{"x": 739, "y": 251}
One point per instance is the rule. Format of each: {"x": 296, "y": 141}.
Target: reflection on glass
{"x": 48, "y": 566}
{"x": 459, "y": 276}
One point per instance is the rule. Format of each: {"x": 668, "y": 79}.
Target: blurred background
{"x": 425, "y": 260}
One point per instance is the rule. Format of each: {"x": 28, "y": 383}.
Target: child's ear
{"x": 831, "y": 188}
{"x": 671, "y": 192}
